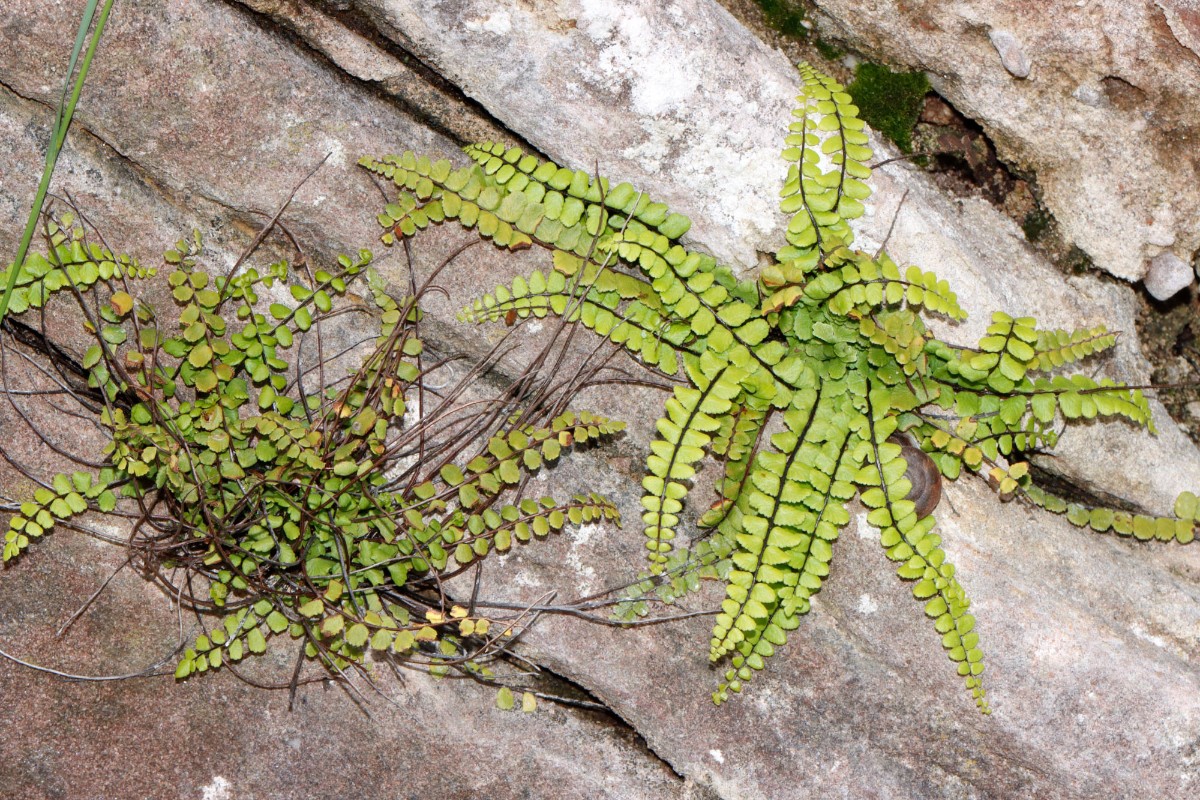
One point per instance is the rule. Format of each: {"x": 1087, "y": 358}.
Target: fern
{"x": 281, "y": 503}
{"x": 830, "y": 342}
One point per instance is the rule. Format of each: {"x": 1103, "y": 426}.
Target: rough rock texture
{"x": 1106, "y": 117}
{"x": 221, "y": 739}
{"x": 648, "y": 93}
{"x": 1166, "y": 275}
{"x": 200, "y": 111}
{"x": 1012, "y": 55}
{"x": 975, "y": 249}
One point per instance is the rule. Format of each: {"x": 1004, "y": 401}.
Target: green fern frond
{"x": 908, "y": 539}
{"x": 1144, "y": 527}
{"x": 685, "y": 431}
{"x": 597, "y": 297}
{"x": 827, "y": 131}
{"x": 67, "y": 496}
{"x": 498, "y": 528}
{"x": 1058, "y": 347}
{"x": 623, "y": 198}
{"x": 786, "y": 519}
{"x": 71, "y": 261}
{"x": 851, "y": 282}
{"x": 830, "y": 338}
{"x": 508, "y": 456}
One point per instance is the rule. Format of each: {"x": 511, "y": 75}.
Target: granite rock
{"x": 203, "y": 112}
{"x": 1167, "y": 275}
{"x": 1106, "y": 119}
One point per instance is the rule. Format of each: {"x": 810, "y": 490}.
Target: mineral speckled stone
{"x": 199, "y": 111}
{"x": 1167, "y": 275}
{"x": 1012, "y": 56}
{"x": 1106, "y": 119}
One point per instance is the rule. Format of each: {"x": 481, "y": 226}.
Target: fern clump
{"x": 830, "y": 342}
{"x": 328, "y": 513}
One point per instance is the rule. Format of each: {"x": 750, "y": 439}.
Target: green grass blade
{"x": 62, "y": 122}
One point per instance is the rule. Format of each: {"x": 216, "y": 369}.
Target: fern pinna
{"x": 829, "y": 342}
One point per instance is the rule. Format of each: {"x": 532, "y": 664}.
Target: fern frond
{"x": 512, "y": 452}
{"x": 67, "y": 496}
{"x": 239, "y": 634}
{"x": 852, "y": 283}
{"x": 624, "y": 199}
{"x": 514, "y": 197}
{"x": 1055, "y": 348}
{"x": 1001, "y": 364}
{"x": 987, "y": 436}
{"x": 597, "y": 298}
{"x": 788, "y": 514}
{"x": 684, "y": 433}
{"x": 687, "y": 284}
{"x": 827, "y": 151}
{"x": 989, "y": 426}
{"x": 491, "y": 528}
{"x": 909, "y": 539}
{"x": 1144, "y": 527}
{"x": 827, "y": 131}
{"x": 902, "y": 336}
{"x": 434, "y": 190}
{"x": 71, "y": 261}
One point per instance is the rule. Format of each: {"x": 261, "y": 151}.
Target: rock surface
{"x": 1167, "y": 275}
{"x": 200, "y": 111}
{"x": 982, "y": 255}
{"x": 1106, "y": 117}
{"x": 1012, "y": 55}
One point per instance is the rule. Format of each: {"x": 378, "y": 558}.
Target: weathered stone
{"x": 1167, "y": 275}
{"x": 1011, "y": 55}
{"x": 982, "y": 255}
{"x": 439, "y": 105}
{"x": 172, "y": 118}
{"x": 653, "y": 92}
{"x": 1107, "y": 119}
{"x": 1090, "y": 640}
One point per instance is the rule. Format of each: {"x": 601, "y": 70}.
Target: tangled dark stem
{"x": 332, "y": 498}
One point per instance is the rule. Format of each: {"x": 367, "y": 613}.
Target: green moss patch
{"x": 889, "y": 101}
{"x": 785, "y": 16}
